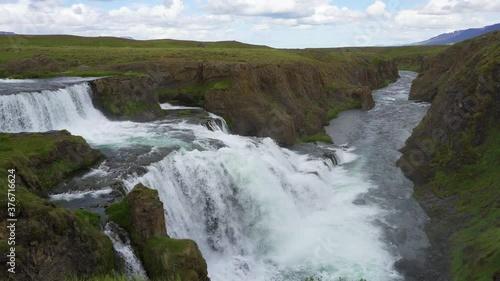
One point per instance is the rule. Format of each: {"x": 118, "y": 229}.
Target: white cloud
{"x": 415, "y": 19}
{"x": 255, "y": 21}
{"x": 280, "y": 9}
{"x": 444, "y": 7}
{"x": 139, "y": 21}
{"x": 328, "y": 14}
{"x": 260, "y": 27}
{"x": 378, "y": 10}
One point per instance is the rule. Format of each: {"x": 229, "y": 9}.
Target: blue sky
{"x": 279, "y": 23}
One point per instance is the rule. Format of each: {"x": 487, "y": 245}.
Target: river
{"x": 258, "y": 211}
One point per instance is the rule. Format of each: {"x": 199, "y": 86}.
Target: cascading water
{"x": 261, "y": 212}
{"x": 49, "y": 110}
{"x": 121, "y": 244}
{"x": 256, "y": 210}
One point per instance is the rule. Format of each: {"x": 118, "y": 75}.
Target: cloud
{"x": 266, "y": 8}
{"x": 446, "y": 7}
{"x": 328, "y": 14}
{"x": 260, "y": 27}
{"x": 378, "y": 9}
{"x": 416, "y": 19}
{"x": 292, "y": 13}
{"x": 254, "y": 21}
{"x": 140, "y": 21}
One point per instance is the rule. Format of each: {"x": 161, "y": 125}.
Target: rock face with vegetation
{"x": 260, "y": 91}
{"x": 284, "y": 101}
{"x": 453, "y": 157}
{"x": 52, "y": 243}
{"x": 126, "y": 97}
{"x": 44, "y": 159}
{"x": 141, "y": 213}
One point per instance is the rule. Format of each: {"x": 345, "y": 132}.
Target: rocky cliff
{"x": 141, "y": 213}
{"x": 279, "y": 100}
{"x": 51, "y": 243}
{"x": 453, "y": 157}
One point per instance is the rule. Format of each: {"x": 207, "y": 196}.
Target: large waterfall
{"x": 260, "y": 211}
{"x": 257, "y": 211}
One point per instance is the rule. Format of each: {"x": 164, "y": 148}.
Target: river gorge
{"x": 257, "y": 211}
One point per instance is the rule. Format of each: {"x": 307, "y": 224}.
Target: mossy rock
{"x": 53, "y": 242}
{"x": 44, "y": 159}
{"x": 141, "y": 214}
{"x": 174, "y": 259}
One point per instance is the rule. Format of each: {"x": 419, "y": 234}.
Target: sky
{"x": 276, "y": 23}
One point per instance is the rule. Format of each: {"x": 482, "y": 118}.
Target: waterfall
{"x": 131, "y": 265}
{"x": 256, "y": 210}
{"x": 218, "y": 123}
{"x": 49, "y": 110}
{"x": 261, "y": 212}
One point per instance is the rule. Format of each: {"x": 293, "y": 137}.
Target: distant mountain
{"x": 6, "y": 33}
{"x": 127, "y": 37}
{"x": 459, "y": 35}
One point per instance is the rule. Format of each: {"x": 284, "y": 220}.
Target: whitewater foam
{"x": 261, "y": 212}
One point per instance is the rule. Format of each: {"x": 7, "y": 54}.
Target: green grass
{"x": 342, "y": 106}
{"x": 19, "y": 151}
{"x": 185, "y": 113}
{"x": 173, "y": 259}
{"x": 120, "y": 213}
{"x": 88, "y": 217}
{"x": 321, "y": 137}
{"x": 476, "y": 248}
{"x": 103, "y": 56}
{"x": 105, "y": 277}
{"x": 220, "y": 85}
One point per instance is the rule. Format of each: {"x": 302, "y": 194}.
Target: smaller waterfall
{"x": 70, "y": 107}
{"x": 218, "y": 123}
{"x": 121, "y": 243}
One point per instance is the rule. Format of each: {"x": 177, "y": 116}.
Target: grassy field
{"x": 98, "y": 56}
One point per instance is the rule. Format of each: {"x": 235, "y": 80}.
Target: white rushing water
{"x": 261, "y": 212}
{"x": 49, "y": 110}
{"x": 121, "y": 244}
{"x": 256, "y": 210}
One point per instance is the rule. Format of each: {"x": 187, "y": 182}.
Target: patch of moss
{"x": 105, "y": 277}
{"x": 228, "y": 122}
{"x": 321, "y": 137}
{"x": 21, "y": 151}
{"x": 173, "y": 259}
{"x": 120, "y": 213}
{"x": 386, "y": 83}
{"x": 378, "y": 61}
{"x": 185, "y": 112}
{"x": 88, "y": 217}
{"x": 223, "y": 84}
{"x": 134, "y": 108}
{"x": 475, "y": 248}
{"x": 335, "y": 110}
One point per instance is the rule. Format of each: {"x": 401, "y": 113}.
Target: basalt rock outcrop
{"x": 51, "y": 242}
{"x": 141, "y": 213}
{"x": 279, "y": 100}
{"x": 453, "y": 158}
{"x": 50, "y": 157}
{"x": 126, "y": 98}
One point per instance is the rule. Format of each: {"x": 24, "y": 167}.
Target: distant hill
{"x": 6, "y": 33}
{"x": 459, "y": 35}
